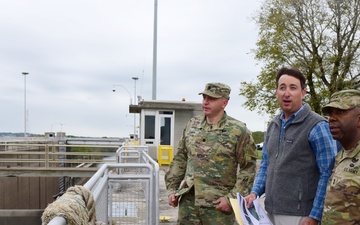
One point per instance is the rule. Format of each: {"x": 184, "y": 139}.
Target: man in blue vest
{"x": 298, "y": 157}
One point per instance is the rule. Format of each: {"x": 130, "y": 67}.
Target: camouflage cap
{"x": 345, "y": 99}
{"x": 216, "y": 90}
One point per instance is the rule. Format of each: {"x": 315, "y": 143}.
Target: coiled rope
{"x": 77, "y": 206}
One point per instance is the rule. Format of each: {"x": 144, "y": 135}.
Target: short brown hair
{"x": 291, "y": 72}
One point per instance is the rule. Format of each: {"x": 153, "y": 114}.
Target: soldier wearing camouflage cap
{"x": 342, "y": 201}
{"x": 204, "y": 172}
{"x": 217, "y": 90}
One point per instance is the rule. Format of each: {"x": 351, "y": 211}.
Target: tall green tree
{"x": 319, "y": 37}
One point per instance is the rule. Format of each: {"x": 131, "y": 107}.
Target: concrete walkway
{"x": 164, "y": 208}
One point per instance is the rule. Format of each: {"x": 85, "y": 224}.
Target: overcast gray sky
{"x": 75, "y": 51}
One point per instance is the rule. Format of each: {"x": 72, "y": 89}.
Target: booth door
{"x": 158, "y": 129}
{"x": 166, "y": 129}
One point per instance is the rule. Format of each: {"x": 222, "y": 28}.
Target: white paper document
{"x": 255, "y": 215}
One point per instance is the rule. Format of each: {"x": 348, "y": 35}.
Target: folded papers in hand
{"x": 255, "y": 215}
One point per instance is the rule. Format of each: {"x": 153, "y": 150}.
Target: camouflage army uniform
{"x": 206, "y": 164}
{"x": 342, "y": 202}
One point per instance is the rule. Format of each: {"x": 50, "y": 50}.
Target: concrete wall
{"x": 27, "y": 192}
{"x": 23, "y": 199}
{"x": 153, "y": 152}
{"x": 17, "y": 217}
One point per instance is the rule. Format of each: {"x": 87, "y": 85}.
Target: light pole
{"x": 25, "y": 74}
{"x": 114, "y": 85}
{"x": 154, "y": 51}
{"x": 135, "y": 79}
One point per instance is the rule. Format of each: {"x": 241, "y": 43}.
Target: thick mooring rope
{"x": 77, "y": 206}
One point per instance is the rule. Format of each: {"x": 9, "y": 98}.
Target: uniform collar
{"x": 219, "y": 125}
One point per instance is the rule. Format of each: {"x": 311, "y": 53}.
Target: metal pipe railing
{"x": 59, "y": 220}
{"x": 47, "y": 156}
{"x": 98, "y": 183}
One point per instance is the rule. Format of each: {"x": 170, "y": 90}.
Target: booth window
{"x": 166, "y": 112}
{"x": 149, "y": 127}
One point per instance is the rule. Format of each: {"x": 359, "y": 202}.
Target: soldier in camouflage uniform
{"x": 342, "y": 202}
{"x": 216, "y": 159}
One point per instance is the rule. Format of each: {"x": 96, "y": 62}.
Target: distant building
{"x": 162, "y": 122}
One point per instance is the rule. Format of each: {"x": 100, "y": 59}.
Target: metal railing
{"x": 126, "y": 191}
{"x": 49, "y": 156}
{"x": 53, "y": 159}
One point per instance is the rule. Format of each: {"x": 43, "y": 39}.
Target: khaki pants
{"x": 286, "y": 220}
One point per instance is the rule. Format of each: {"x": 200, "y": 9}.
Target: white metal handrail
{"x": 98, "y": 183}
